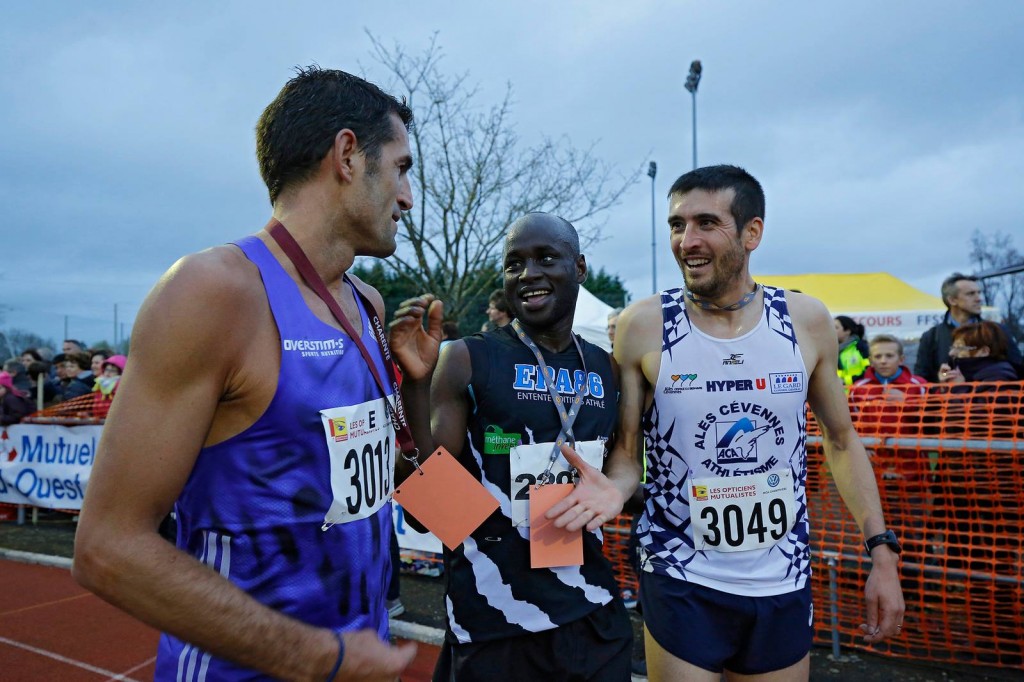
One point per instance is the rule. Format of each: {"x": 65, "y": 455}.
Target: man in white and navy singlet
{"x": 716, "y": 374}
{"x": 252, "y": 365}
{"x": 492, "y": 405}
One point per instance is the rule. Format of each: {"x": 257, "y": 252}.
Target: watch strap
{"x": 886, "y": 538}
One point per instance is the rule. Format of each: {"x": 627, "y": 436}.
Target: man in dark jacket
{"x": 962, "y": 296}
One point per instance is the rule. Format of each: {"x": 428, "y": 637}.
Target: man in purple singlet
{"x": 281, "y": 562}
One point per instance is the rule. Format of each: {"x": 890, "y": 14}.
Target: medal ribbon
{"x": 309, "y": 274}
{"x": 566, "y": 417}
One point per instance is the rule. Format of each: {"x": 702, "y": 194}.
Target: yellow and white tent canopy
{"x": 882, "y": 303}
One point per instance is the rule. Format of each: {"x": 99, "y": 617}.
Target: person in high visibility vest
{"x": 853, "y": 350}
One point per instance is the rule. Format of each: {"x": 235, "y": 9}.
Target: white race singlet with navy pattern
{"x": 726, "y": 432}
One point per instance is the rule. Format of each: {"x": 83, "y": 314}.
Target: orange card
{"x": 550, "y": 546}
{"x": 446, "y": 499}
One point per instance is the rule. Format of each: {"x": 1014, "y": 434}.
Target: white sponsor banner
{"x": 408, "y": 538}
{"x": 46, "y": 465}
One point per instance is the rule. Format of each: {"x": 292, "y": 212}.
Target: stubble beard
{"x": 725, "y": 269}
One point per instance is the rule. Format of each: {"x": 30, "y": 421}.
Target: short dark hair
{"x": 450, "y": 330}
{"x": 298, "y": 128}
{"x": 38, "y": 367}
{"x": 949, "y": 285}
{"x": 33, "y": 353}
{"x": 748, "y": 202}
{"x": 500, "y": 303}
{"x": 80, "y": 358}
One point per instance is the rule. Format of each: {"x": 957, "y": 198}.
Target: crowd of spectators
{"x": 39, "y": 379}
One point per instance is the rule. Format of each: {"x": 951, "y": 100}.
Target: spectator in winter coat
{"x": 978, "y": 352}
{"x": 962, "y": 296}
{"x": 19, "y": 375}
{"x": 40, "y": 372}
{"x": 14, "y": 403}
{"x": 99, "y": 356}
{"x": 76, "y": 371}
{"x": 106, "y": 383}
{"x": 853, "y": 349}
{"x": 30, "y": 355}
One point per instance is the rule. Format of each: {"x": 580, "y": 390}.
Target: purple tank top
{"x": 254, "y": 507}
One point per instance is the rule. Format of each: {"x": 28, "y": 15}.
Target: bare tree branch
{"x": 473, "y": 177}
{"x": 993, "y": 251}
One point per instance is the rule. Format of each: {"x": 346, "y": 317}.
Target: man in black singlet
{"x": 490, "y": 406}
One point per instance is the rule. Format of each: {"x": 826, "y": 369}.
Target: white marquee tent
{"x": 591, "y": 319}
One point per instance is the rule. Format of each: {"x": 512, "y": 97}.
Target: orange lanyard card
{"x": 445, "y": 498}
{"x": 551, "y": 546}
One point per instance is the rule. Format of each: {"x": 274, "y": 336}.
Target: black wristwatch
{"x": 886, "y": 538}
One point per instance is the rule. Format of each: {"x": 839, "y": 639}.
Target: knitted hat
{"x": 116, "y": 360}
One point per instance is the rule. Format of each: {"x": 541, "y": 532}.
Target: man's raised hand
{"x": 415, "y": 348}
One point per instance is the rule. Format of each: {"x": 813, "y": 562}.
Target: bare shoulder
{"x": 814, "y": 331}
{"x": 810, "y": 315}
{"x": 453, "y": 366}
{"x": 209, "y": 296}
{"x": 370, "y": 293}
{"x": 639, "y": 330}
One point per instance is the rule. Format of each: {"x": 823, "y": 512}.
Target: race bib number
{"x": 361, "y": 444}
{"x": 527, "y": 462}
{"x": 741, "y": 513}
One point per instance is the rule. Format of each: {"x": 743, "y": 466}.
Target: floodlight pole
{"x": 692, "y": 81}
{"x": 652, "y": 171}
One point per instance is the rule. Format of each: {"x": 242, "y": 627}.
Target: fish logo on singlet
{"x": 739, "y": 442}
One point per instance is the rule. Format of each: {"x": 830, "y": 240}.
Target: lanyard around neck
{"x": 295, "y": 254}
{"x": 567, "y": 417}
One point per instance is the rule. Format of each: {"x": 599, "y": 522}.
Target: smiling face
{"x": 97, "y": 363}
{"x": 711, "y": 253}
{"x": 543, "y": 270}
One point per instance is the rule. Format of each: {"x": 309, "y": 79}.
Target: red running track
{"x": 52, "y": 629}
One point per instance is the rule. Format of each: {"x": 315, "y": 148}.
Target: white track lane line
{"x": 57, "y": 657}
{"x": 129, "y": 671}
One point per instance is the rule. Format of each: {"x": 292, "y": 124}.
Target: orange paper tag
{"x": 551, "y": 546}
{"x": 445, "y": 498}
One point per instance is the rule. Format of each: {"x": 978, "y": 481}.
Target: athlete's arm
{"x": 449, "y": 398}
{"x": 601, "y": 501}
{"x": 849, "y": 464}
{"x": 189, "y": 345}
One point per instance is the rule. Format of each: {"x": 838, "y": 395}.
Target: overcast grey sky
{"x": 884, "y": 133}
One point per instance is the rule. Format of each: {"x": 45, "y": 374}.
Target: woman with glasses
{"x": 978, "y": 353}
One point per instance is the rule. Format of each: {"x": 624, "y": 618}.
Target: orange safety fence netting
{"x": 91, "y": 408}
{"x": 949, "y": 470}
